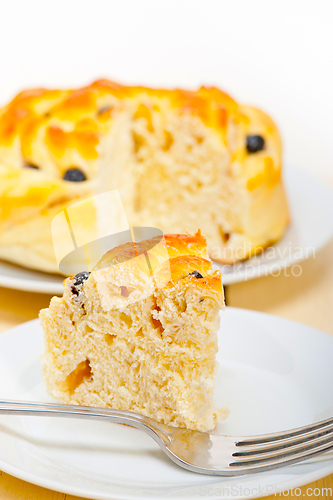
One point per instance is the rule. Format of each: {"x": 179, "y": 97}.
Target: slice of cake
{"x": 139, "y": 333}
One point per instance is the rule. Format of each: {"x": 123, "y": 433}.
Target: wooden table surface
{"x": 307, "y": 298}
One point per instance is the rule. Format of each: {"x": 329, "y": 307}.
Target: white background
{"x": 277, "y": 55}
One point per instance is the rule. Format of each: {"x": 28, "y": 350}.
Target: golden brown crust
{"x": 176, "y": 244}
{"x": 183, "y": 267}
{"x": 186, "y": 244}
{"x": 186, "y": 253}
{"x": 44, "y": 112}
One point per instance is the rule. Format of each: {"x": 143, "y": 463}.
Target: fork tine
{"x": 267, "y": 438}
{"x": 297, "y": 453}
{"x": 283, "y": 444}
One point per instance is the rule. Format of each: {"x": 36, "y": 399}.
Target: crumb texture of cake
{"x": 123, "y": 339}
{"x": 180, "y": 159}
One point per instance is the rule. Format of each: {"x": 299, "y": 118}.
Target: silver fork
{"x": 199, "y": 451}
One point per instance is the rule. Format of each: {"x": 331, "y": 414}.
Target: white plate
{"x": 276, "y": 374}
{"x": 311, "y": 206}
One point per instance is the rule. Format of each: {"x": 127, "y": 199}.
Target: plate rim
{"x": 32, "y": 478}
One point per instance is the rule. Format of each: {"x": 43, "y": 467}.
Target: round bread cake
{"x": 180, "y": 160}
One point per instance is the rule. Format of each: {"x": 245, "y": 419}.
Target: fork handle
{"x": 159, "y": 432}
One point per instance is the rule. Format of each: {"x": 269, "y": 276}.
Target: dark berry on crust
{"x": 254, "y": 143}
{"x": 79, "y": 279}
{"x": 196, "y": 274}
{"x": 74, "y": 175}
{"x": 31, "y": 165}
